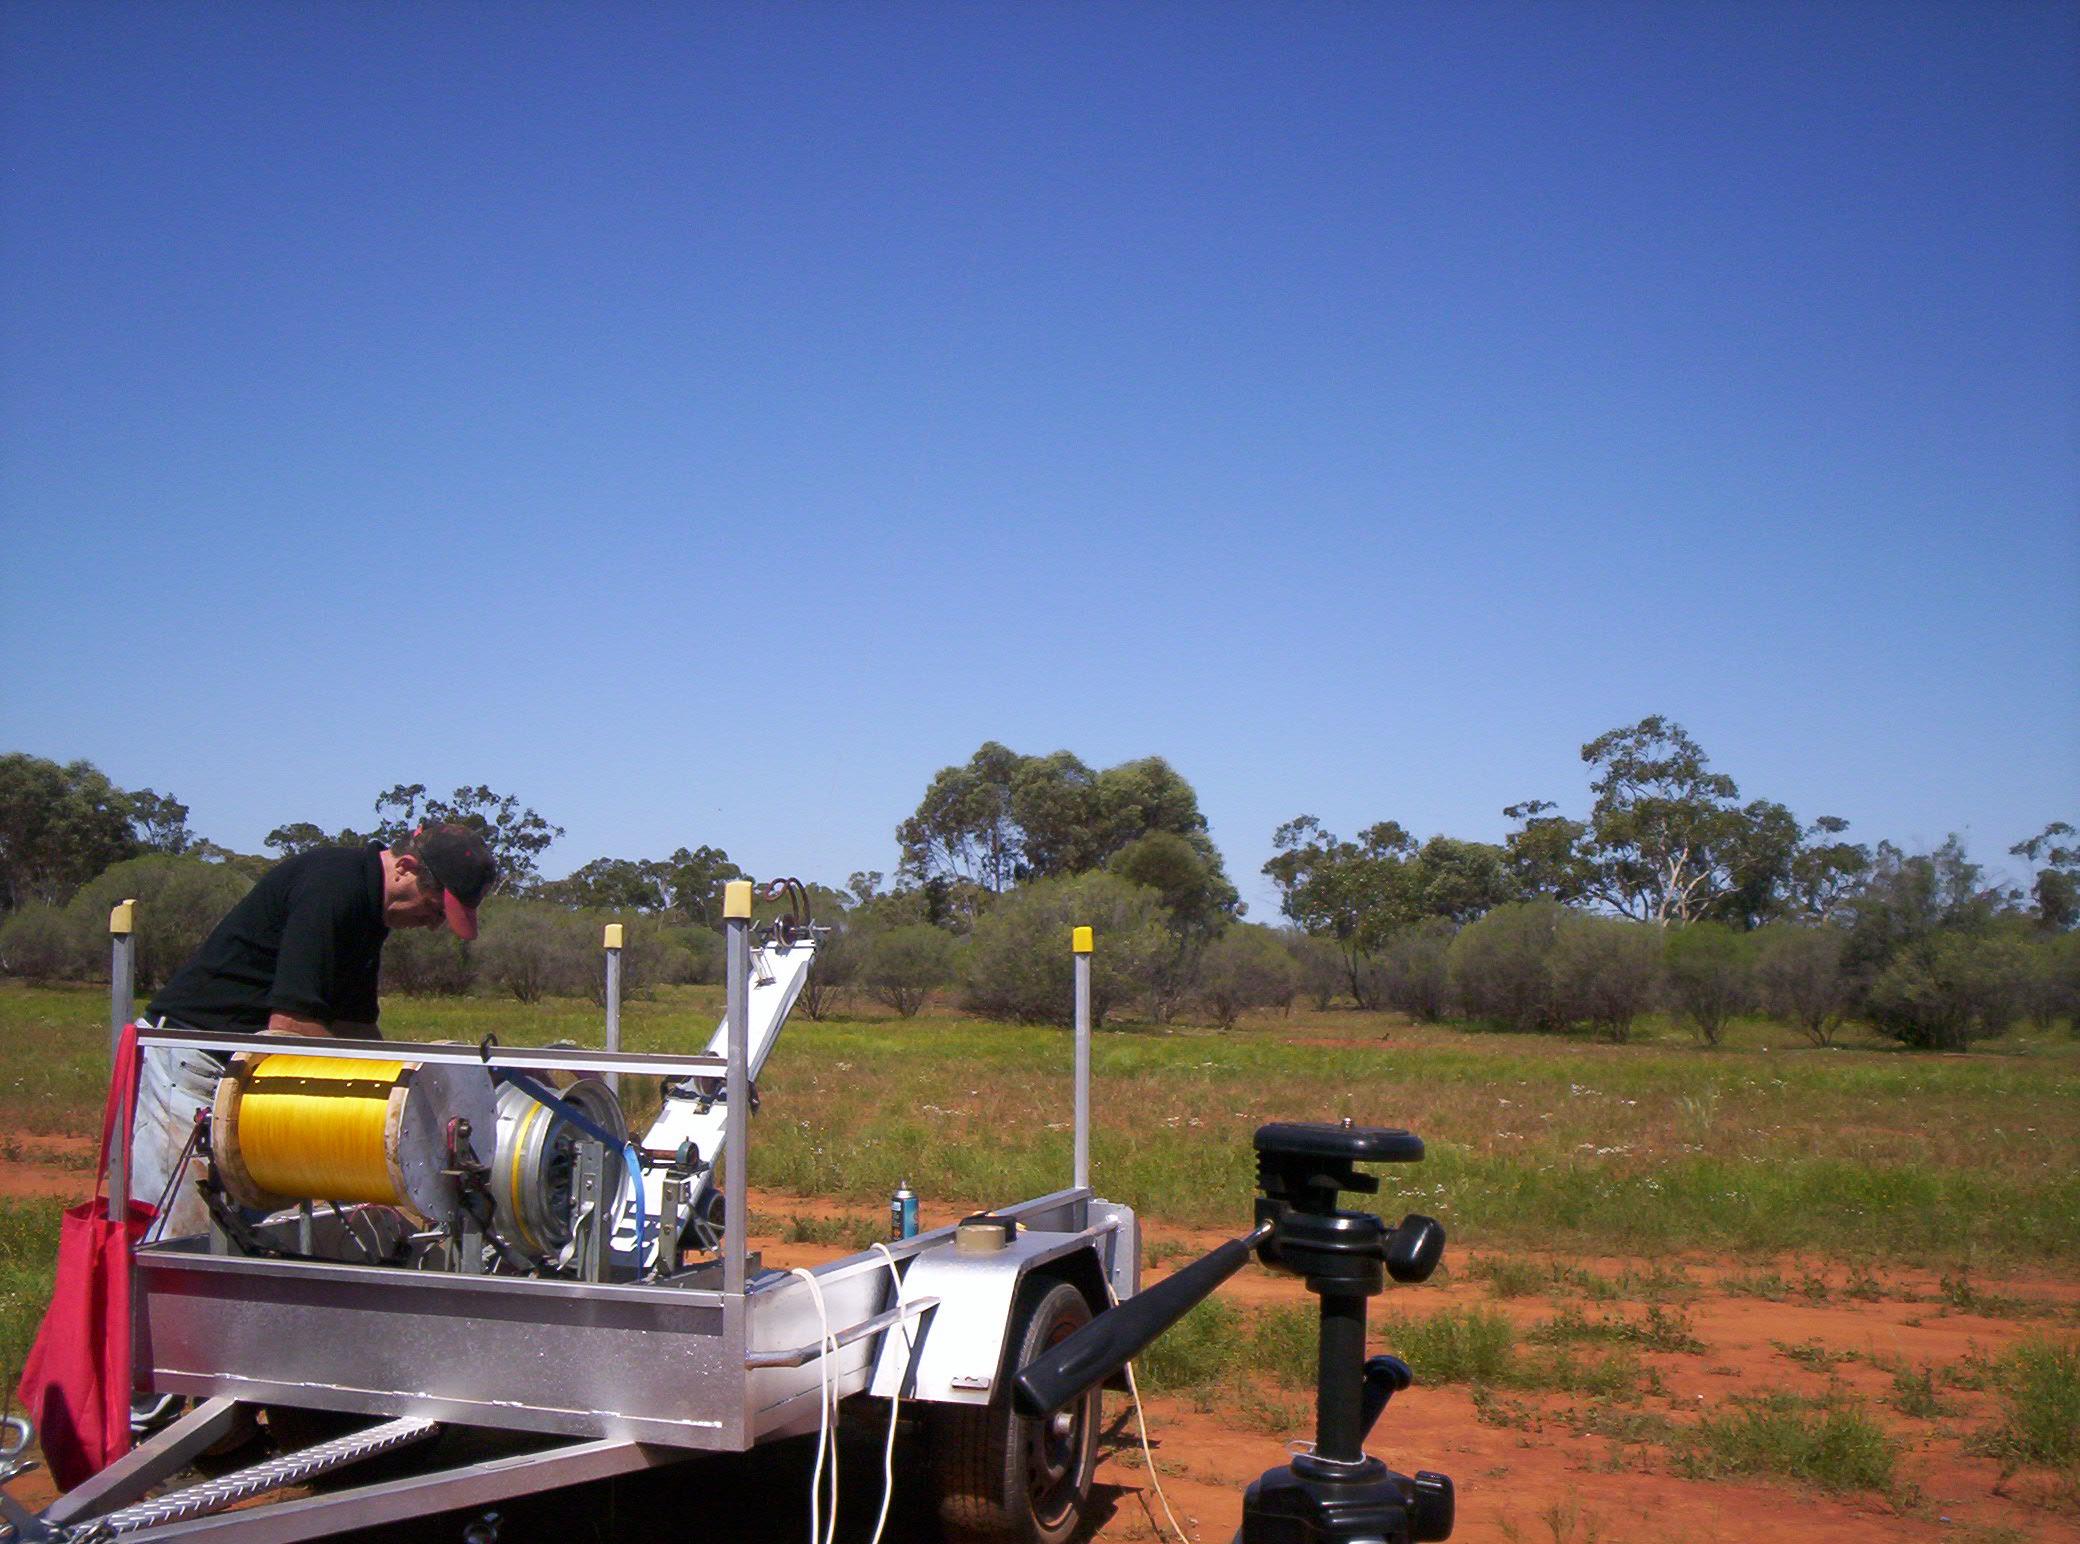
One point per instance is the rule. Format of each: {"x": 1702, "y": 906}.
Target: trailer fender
{"x": 959, "y": 1348}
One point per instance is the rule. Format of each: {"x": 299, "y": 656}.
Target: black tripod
{"x": 1333, "y": 1493}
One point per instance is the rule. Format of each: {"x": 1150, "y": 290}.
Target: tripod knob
{"x": 1385, "y": 1376}
{"x": 1414, "y": 1248}
{"x": 1432, "y": 1506}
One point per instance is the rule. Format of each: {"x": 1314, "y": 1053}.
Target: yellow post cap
{"x": 613, "y": 935}
{"x": 122, "y": 917}
{"x": 1080, "y": 940}
{"x": 736, "y": 898}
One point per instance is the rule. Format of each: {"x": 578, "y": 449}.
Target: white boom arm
{"x": 694, "y": 1107}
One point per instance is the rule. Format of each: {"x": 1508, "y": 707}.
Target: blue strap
{"x": 585, "y": 1123}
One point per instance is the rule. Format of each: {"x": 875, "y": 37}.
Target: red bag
{"x": 76, "y": 1383}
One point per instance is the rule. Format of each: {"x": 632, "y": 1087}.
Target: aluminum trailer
{"x": 631, "y": 1355}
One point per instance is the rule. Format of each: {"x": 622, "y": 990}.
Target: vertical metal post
{"x": 122, "y": 921}
{"x": 1080, "y": 943}
{"x": 122, "y": 971}
{"x": 736, "y": 1134}
{"x": 613, "y": 947}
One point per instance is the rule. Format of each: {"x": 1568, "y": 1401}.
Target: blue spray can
{"x": 902, "y": 1212}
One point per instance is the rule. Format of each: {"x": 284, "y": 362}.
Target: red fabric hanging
{"x": 76, "y": 1383}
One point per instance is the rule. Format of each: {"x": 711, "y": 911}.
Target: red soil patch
{"x": 1535, "y": 1478}
{"x": 46, "y": 1164}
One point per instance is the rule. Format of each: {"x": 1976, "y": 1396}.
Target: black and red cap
{"x": 464, "y": 869}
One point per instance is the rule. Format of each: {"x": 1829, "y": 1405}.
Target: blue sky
{"x": 705, "y": 422}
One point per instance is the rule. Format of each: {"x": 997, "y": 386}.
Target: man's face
{"x": 412, "y": 899}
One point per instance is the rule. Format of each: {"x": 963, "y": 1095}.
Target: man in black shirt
{"x": 299, "y": 955}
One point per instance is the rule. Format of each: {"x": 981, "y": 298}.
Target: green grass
{"x": 2038, "y": 1381}
{"x": 1831, "y": 1443}
{"x": 1455, "y": 1345}
{"x": 1196, "y": 1351}
{"x": 1659, "y": 1329}
{"x": 1533, "y": 1140}
{"x": 855, "y": 1232}
{"x": 28, "y": 1252}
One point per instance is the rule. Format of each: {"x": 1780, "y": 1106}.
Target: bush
{"x": 904, "y": 965}
{"x": 1018, "y": 964}
{"x": 1710, "y": 975}
{"x": 1318, "y": 965}
{"x": 179, "y": 903}
{"x": 2054, "y": 980}
{"x": 2039, "y": 1383}
{"x": 533, "y": 950}
{"x": 1245, "y": 967}
{"x": 1831, "y": 1443}
{"x": 831, "y": 975}
{"x": 1501, "y": 966}
{"x": 1412, "y": 971}
{"x": 1799, "y": 978}
{"x": 1606, "y": 972}
{"x": 1945, "y": 992}
{"x": 421, "y": 962}
{"x": 48, "y": 943}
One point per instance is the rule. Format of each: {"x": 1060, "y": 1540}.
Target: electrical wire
{"x": 1141, "y": 1421}
{"x": 826, "y": 1438}
{"x": 895, "y": 1403}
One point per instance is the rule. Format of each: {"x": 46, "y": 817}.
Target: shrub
{"x": 1412, "y": 971}
{"x": 1799, "y": 978}
{"x": 1833, "y": 1444}
{"x": 1018, "y": 964}
{"x": 831, "y": 975}
{"x": 1710, "y": 975}
{"x": 421, "y": 962}
{"x": 2039, "y": 1384}
{"x": 2054, "y": 980}
{"x": 1245, "y": 967}
{"x": 47, "y": 943}
{"x": 532, "y": 950}
{"x": 1500, "y": 966}
{"x": 904, "y": 965}
{"x": 1945, "y": 992}
{"x": 1606, "y": 972}
{"x": 1318, "y": 965}
{"x": 179, "y": 903}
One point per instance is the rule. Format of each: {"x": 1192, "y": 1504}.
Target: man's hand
{"x": 290, "y": 1024}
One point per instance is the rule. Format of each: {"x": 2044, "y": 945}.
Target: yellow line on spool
{"x": 527, "y": 1121}
{"x": 314, "y": 1127}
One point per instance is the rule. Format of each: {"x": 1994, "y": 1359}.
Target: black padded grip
{"x": 1106, "y": 1344}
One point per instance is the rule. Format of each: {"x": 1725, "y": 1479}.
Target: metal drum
{"x": 533, "y": 1176}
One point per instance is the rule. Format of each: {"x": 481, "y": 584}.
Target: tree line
{"x": 1668, "y": 891}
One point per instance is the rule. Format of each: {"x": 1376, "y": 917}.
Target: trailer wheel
{"x": 1004, "y": 1476}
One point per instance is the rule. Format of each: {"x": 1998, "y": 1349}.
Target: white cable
{"x": 826, "y": 1439}
{"x": 888, "y": 1454}
{"x": 1141, "y": 1421}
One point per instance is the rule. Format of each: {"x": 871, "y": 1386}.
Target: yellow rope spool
{"x": 290, "y": 1127}
{"x": 315, "y": 1125}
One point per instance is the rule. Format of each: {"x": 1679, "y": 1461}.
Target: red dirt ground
{"x": 1534, "y": 1478}
{"x": 1541, "y": 1482}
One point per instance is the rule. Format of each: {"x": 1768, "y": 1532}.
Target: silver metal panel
{"x": 529, "y": 1058}
{"x": 640, "y": 1363}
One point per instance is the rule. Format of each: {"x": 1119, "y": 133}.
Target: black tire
{"x": 1004, "y": 1476}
